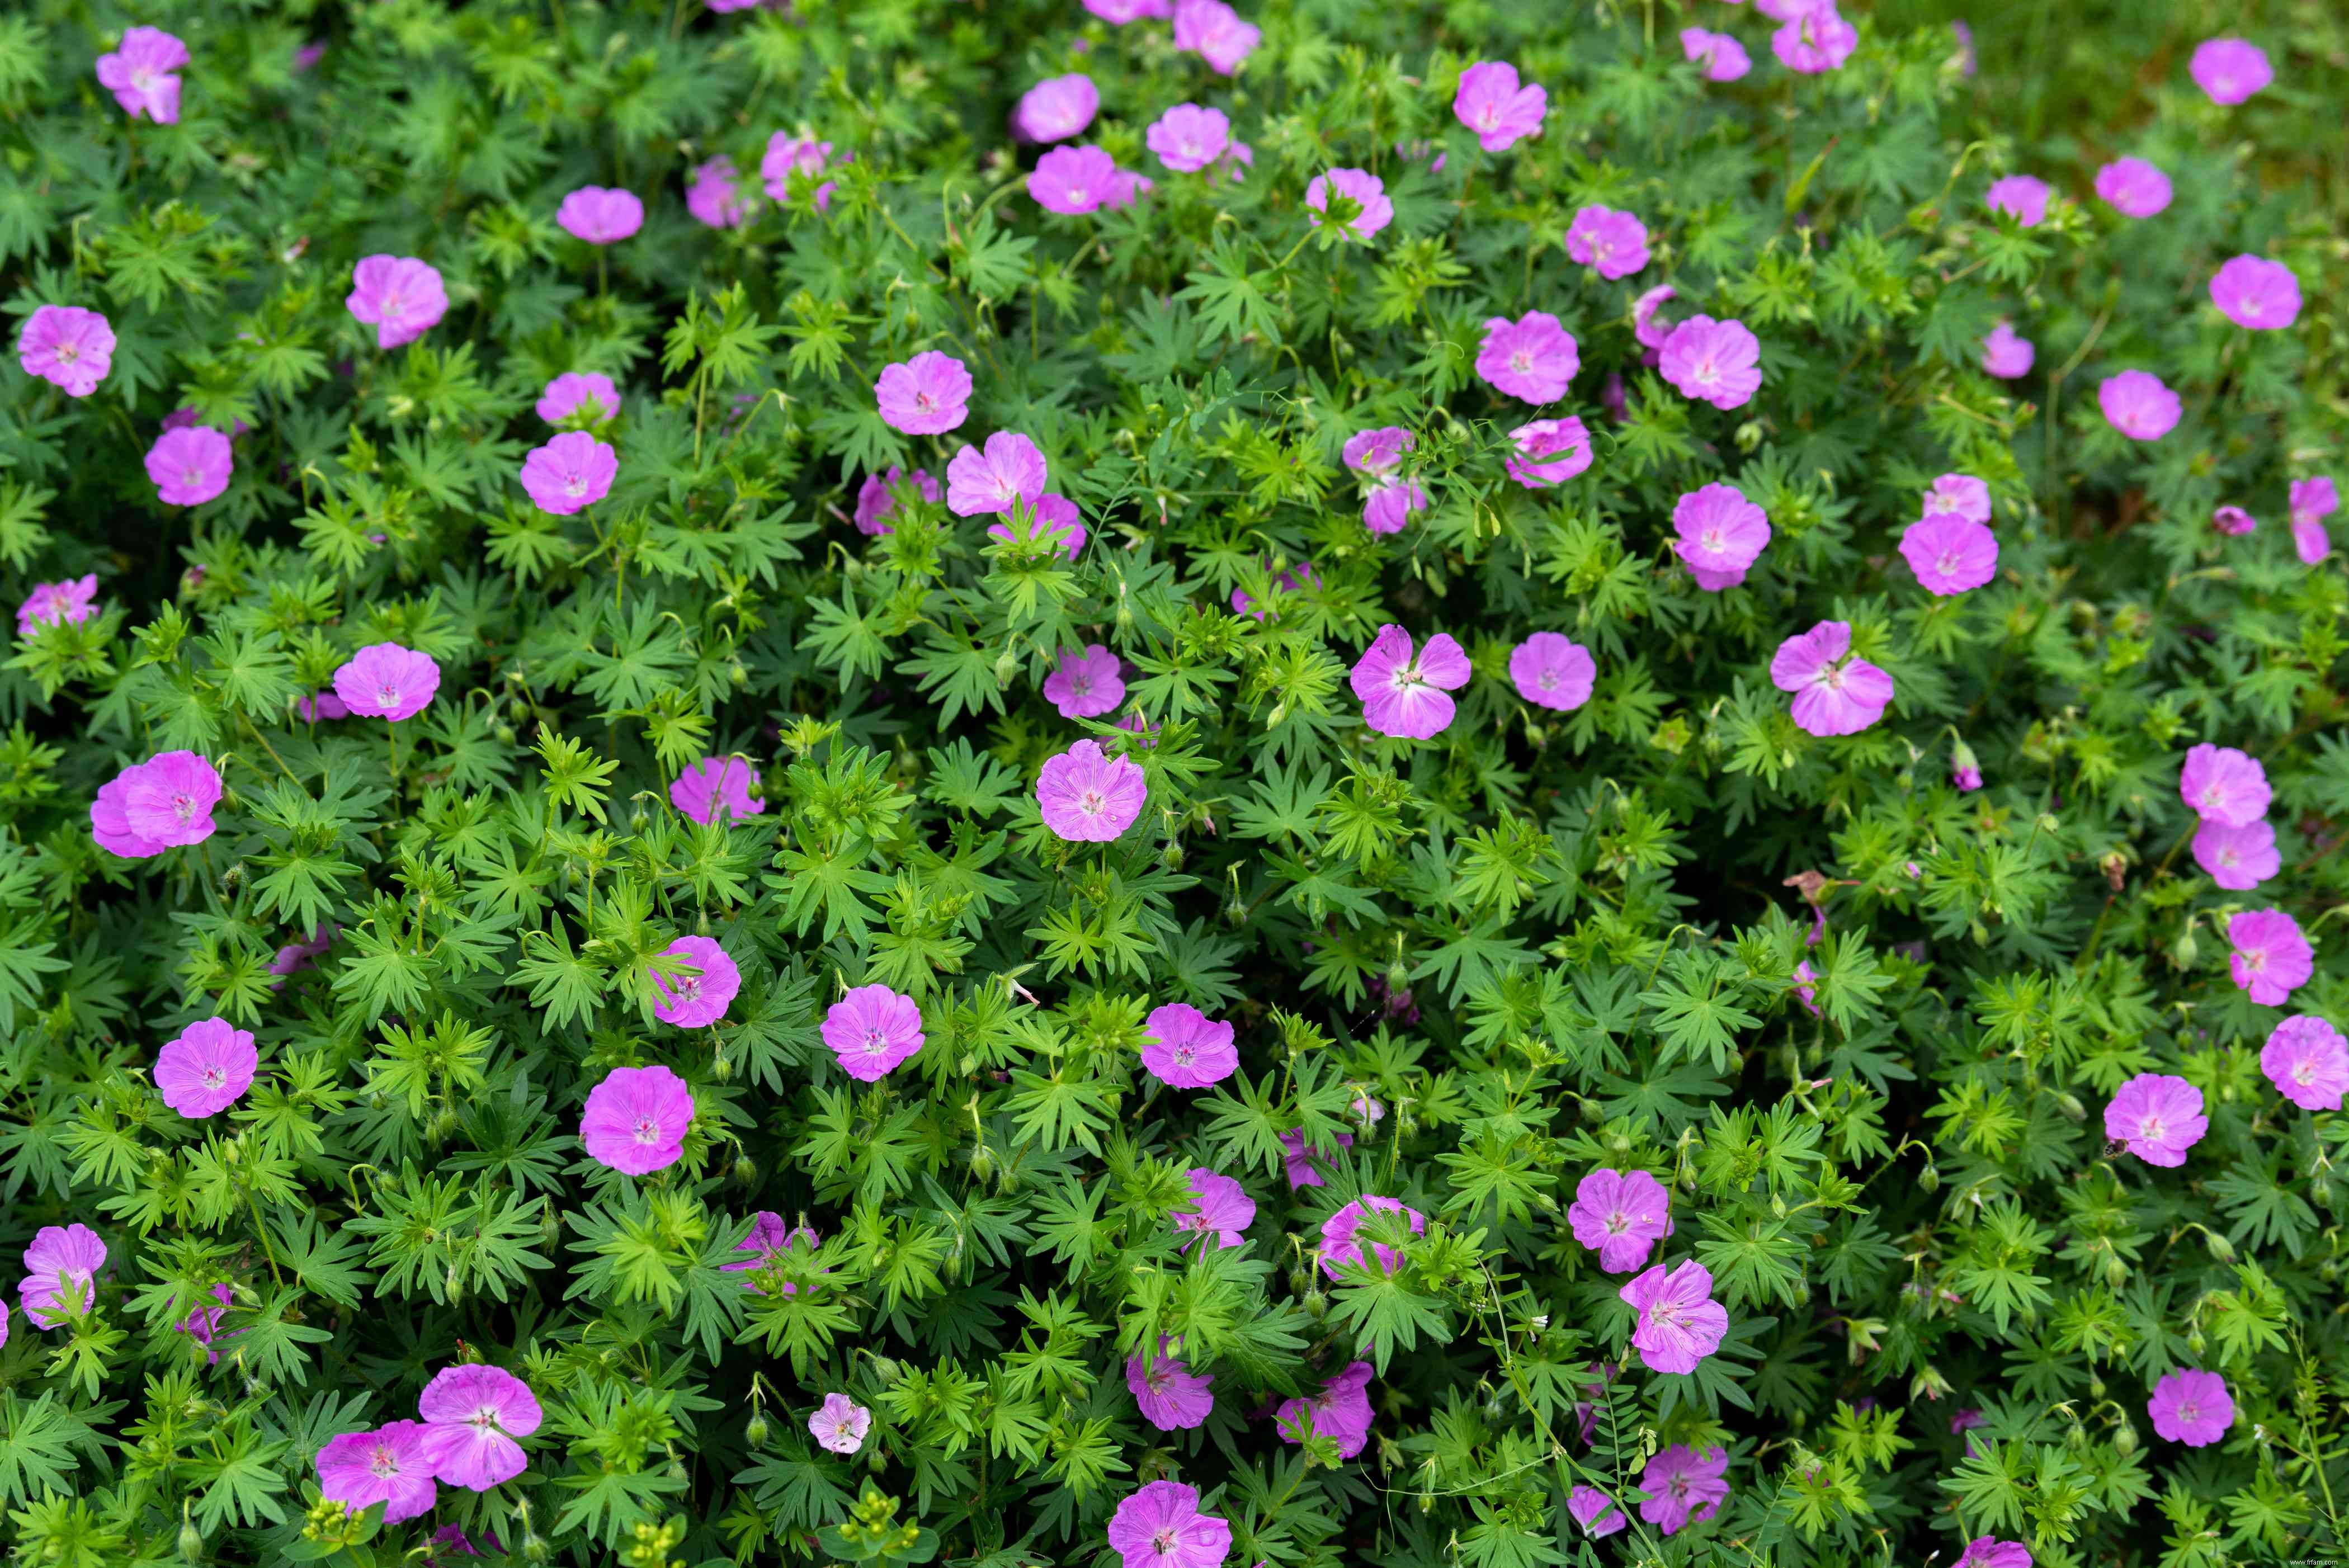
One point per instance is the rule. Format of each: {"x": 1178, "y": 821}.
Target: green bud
{"x": 2095, "y": 1387}
{"x": 755, "y": 1430}
{"x": 191, "y": 1541}
{"x": 1171, "y": 857}
{"x": 1316, "y": 1306}
{"x": 1929, "y": 1180}
{"x": 2124, "y": 1440}
{"x": 2069, "y": 1104}
{"x": 505, "y": 733}
{"x": 2116, "y": 1272}
{"x": 2221, "y": 1247}
{"x": 745, "y": 1170}
{"x": 739, "y": 675}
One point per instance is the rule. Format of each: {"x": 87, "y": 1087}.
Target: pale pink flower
{"x": 2308, "y": 1061}
{"x": 384, "y": 680}
{"x": 1087, "y": 798}
{"x": 206, "y": 1068}
{"x": 2236, "y": 858}
{"x": 574, "y": 392}
{"x": 1549, "y": 452}
{"x": 1215, "y": 32}
{"x": 1182, "y": 1047}
{"x": 2158, "y": 1116}
{"x": 1715, "y": 362}
{"x": 2137, "y": 405}
{"x": 1404, "y": 695}
{"x": 1720, "y": 535}
{"x": 1492, "y": 104}
{"x": 1072, "y": 180}
{"x": 1533, "y": 357}
{"x": 2229, "y": 69}
{"x": 1188, "y": 137}
{"x": 1366, "y": 190}
{"x": 141, "y": 74}
{"x": 1949, "y": 553}
{"x": 2224, "y": 785}
{"x": 2191, "y": 1407}
{"x": 1835, "y": 693}
{"x": 1680, "y": 1323}
{"x": 401, "y": 297}
{"x": 189, "y": 465}
{"x": 873, "y": 1030}
{"x": 1550, "y": 670}
{"x": 1086, "y": 684}
{"x": 2006, "y": 354}
{"x": 1010, "y": 470}
{"x": 2255, "y": 292}
{"x": 2271, "y": 957}
{"x": 599, "y": 215}
{"x": 2133, "y": 188}
{"x": 839, "y": 1425}
{"x": 927, "y": 394}
{"x": 1620, "y": 1215}
{"x": 67, "y": 346}
{"x": 1058, "y": 108}
{"x": 1613, "y": 244}
{"x": 2020, "y": 196}
{"x": 1720, "y": 57}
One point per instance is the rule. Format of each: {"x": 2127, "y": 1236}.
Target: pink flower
{"x": 1170, "y": 1396}
{"x": 2223, "y": 785}
{"x": 1818, "y": 40}
{"x": 189, "y": 465}
{"x": 2020, "y": 196}
{"x": 1715, "y": 362}
{"x": 714, "y": 195}
{"x": 2313, "y": 501}
{"x": 700, "y": 993}
{"x": 1297, "y": 1157}
{"x": 570, "y": 473}
{"x": 1533, "y": 359}
{"x": 2133, "y": 188}
{"x": 600, "y": 216}
{"x": 1647, "y": 322}
{"x": 1963, "y": 494}
{"x": 1215, "y": 32}
{"x": 401, "y": 297}
{"x": 2236, "y": 858}
{"x": 2229, "y": 69}
{"x": 2271, "y": 956}
{"x": 1118, "y": 12}
{"x": 1683, "y": 1486}
{"x": 1549, "y": 452}
{"x": 60, "y": 1273}
{"x": 359, "y": 1470}
{"x": 715, "y": 787}
{"x": 787, "y": 155}
{"x": 1340, "y": 1246}
{"x": 163, "y": 803}
{"x": 384, "y": 680}
{"x": 877, "y": 500}
{"x": 1366, "y": 190}
{"x": 1620, "y": 1215}
{"x": 1085, "y": 685}
{"x": 1721, "y": 58}
{"x": 295, "y": 956}
{"x": 1388, "y": 503}
{"x": 203, "y": 1324}
{"x": 1721, "y": 534}
{"x": 2005, "y": 355}
{"x": 1403, "y": 695}
{"x": 927, "y": 394}
{"x": 1379, "y": 452}
{"x": 1010, "y": 469}
{"x": 2255, "y": 292}
{"x": 768, "y": 1239}
{"x": 472, "y": 1414}
{"x": 2137, "y": 405}
{"x": 2159, "y": 1117}
{"x": 1990, "y": 1551}
{"x": 1492, "y": 104}
{"x": 1126, "y": 188}
{"x": 1949, "y": 553}
{"x": 1160, "y": 1525}
{"x": 839, "y": 1424}
{"x": 140, "y": 74}
{"x": 1048, "y": 519}
{"x": 1220, "y": 1207}
{"x": 1680, "y": 1323}
{"x": 1835, "y": 694}
{"x": 1296, "y": 580}
{"x": 1188, "y": 137}
{"x": 2308, "y": 1061}
{"x": 1182, "y": 1047}
{"x": 2233, "y": 520}
{"x": 1089, "y": 799}
{"x": 67, "y": 346}
{"x": 1591, "y": 1508}
{"x": 2191, "y": 1407}
{"x": 574, "y": 392}
{"x": 636, "y": 1120}
{"x": 207, "y": 1068}
{"x": 1057, "y": 108}
{"x": 67, "y": 604}
{"x": 873, "y": 1030}
{"x": 1552, "y": 671}
{"x": 1614, "y": 245}
{"x": 1072, "y": 180}
{"x": 1340, "y": 1412}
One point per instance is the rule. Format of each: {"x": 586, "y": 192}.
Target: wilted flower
{"x": 1072, "y": 180}
{"x": 2308, "y": 1061}
{"x": 2236, "y": 858}
{"x": 65, "y": 604}
{"x": 574, "y": 390}
{"x": 1086, "y": 684}
{"x": 60, "y": 1273}
{"x": 1549, "y": 452}
{"x": 140, "y": 73}
{"x": 1720, "y": 57}
{"x": 1680, "y": 1323}
{"x": 1160, "y": 1525}
{"x": 384, "y": 680}
{"x": 839, "y": 1424}
{"x": 714, "y": 196}
{"x": 2159, "y": 1117}
{"x": 163, "y": 803}
{"x": 2133, "y": 188}
{"x": 1492, "y": 104}
{"x": 1341, "y": 1411}
{"x": 699, "y": 995}
{"x": 472, "y": 1414}
{"x": 637, "y": 1118}
{"x": 67, "y": 346}
{"x": 1532, "y": 357}
{"x": 1057, "y": 108}
{"x": 2005, "y": 355}
{"x": 2223, "y": 785}
{"x": 2229, "y": 69}
{"x": 1720, "y": 535}
{"x": 2020, "y": 196}
{"x": 1949, "y": 553}
{"x": 189, "y": 465}
{"x": 2191, "y": 1407}
{"x": 2255, "y": 292}
{"x": 1219, "y": 1207}
{"x": 2271, "y": 956}
{"x": 1089, "y": 799}
{"x": 1817, "y": 40}
{"x": 1715, "y": 362}
{"x": 207, "y": 1068}
{"x": 1366, "y": 190}
{"x": 873, "y": 1030}
{"x": 359, "y": 1470}
{"x": 1340, "y": 1246}
{"x": 1404, "y": 695}
{"x": 1215, "y": 32}
{"x": 1551, "y": 670}
{"x": 1594, "y": 1510}
{"x": 599, "y": 215}
{"x": 1010, "y": 470}
{"x": 1170, "y": 1396}
{"x": 401, "y": 297}
{"x": 1614, "y": 245}
{"x": 2137, "y": 405}
{"x": 875, "y": 503}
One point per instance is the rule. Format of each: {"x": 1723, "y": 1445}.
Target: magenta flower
{"x": 2255, "y": 292}
{"x": 927, "y": 394}
{"x": 1591, "y": 1508}
{"x": 384, "y": 680}
{"x": 1297, "y": 1157}
{"x": 1405, "y": 695}
{"x": 839, "y": 1424}
{"x": 472, "y": 1414}
{"x": 636, "y": 1120}
{"x": 1170, "y": 1396}
{"x": 2191, "y": 1407}
{"x": 1680, "y": 1323}
{"x": 600, "y": 216}
{"x": 163, "y": 803}
{"x": 1085, "y": 685}
{"x": 1501, "y": 113}
{"x": 2020, "y": 196}
{"x": 295, "y": 956}
{"x": 359, "y": 1470}
{"x": 1341, "y": 1411}
{"x": 1721, "y": 534}
{"x": 2229, "y": 69}
{"x": 1549, "y": 452}
{"x": 570, "y": 473}
{"x": 1010, "y": 469}
{"x": 700, "y": 995}
{"x": 1949, "y": 553}
{"x": 873, "y": 1030}
{"x": 2137, "y": 405}
{"x": 1388, "y": 503}
{"x": 2236, "y": 858}
{"x": 1160, "y": 1525}
{"x": 1118, "y": 12}
{"x": 576, "y": 391}
{"x": 2308, "y": 1061}
{"x": 1057, "y": 108}
{"x": 140, "y": 73}
{"x": 1182, "y": 1047}
{"x": 1378, "y": 452}
{"x": 1220, "y": 1207}
{"x": 1990, "y": 1551}
{"x": 1532, "y": 358}
{"x": 768, "y": 1239}
{"x": 1683, "y": 1486}
{"x": 1296, "y": 580}
{"x": 1715, "y": 362}
{"x": 1965, "y": 772}
{"x": 877, "y": 501}
{"x": 2223, "y": 785}
{"x": 2133, "y": 188}
{"x": 715, "y": 787}
{"x": 68, "y": 348}
{"x": 1072, "y": 180}
{"x": 2313, "y": 501}
{"x": 1962, "y": 494}
{"x": 1126, "y": 188}
{"x": 2158, "y": 1116}
{"x": 1340, "y": 1246}
{"x": 401, "y": 297}
{"x": 189, "y": 465}
{"x": 1620, "y": 1215}
{"x": 2270, "y": 955}
{"x": 1550, "y": 670}
{"x": 1366, "y": 190}
{"x": 203, "y": 1324}
{"x": 1612, "y": 243}
{"x": 1215, "y": 32}
{"x": 714, "y": 195}
{"x": 67, "y": 604}
{"x": 1188, "y": 137}
{"x": 1050, "y": 518}
{"x": 1815, "y": 40}
{"x": 2005, "y": 355}
{"x": 207, "y": 1068}
{"x": 60, "y": 1273}
{"x": 787, "y": 155}
{"x": 1089, "y": 799}
{"x": 1719, "y": 58}
{"x": 1648, "y": 323}
{"x": 1835, "y": 693}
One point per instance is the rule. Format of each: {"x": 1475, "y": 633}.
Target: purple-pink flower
{"x": 1551, "y": 670}
{"x": 1366, "y": 190}
{"x": 1963, "y": 494}
{"x": 1949, "y": 553}
{"x": 1219, "y": 1207}
{"x": 2229, "y": 69}
{"x": 163, "y": 803}
{"x": 67, "y": 347}
{"x": 570, "y": 473}
{"x": 359, "y": 1470}
{"x": 1388, "y": 501}
{"x": 1835, "y": 693}
{"x": 2224, "y": 785}
{"x": 1614, "y": 245}
{"x": 1620, "y": 1215}
{"x": 65, "y": 604}
{"x": 1341, "y": 1411}
{"x": 2021, "y": 197}
{"x": 1074, "y": 179}
{"x": 2233, "y": 520}
{"x": 1683, "y": 1486}
{"x": 637, "y": 1118}
{"x": 927, "y": 394}
{"x": 1990, "y": 1551}
{"x": 1680, "y": 1323}
{"x": 1720, "y": 535}
{"x": 1215, "y": 32}
{"x": 1591, "y": 1508}
{"x": 1715, "y": 362}
{"x": 1089, "y": 799}
{"x": 2271, "y": 956}
{"x": 2191, "y": 1407}
{"x": 1298, "y": 1157}
{"x": 873, "y": 1031}
{"x": 142, "y": 76}
{"x": 1049, "y": 519}
{"x": 1188, "y": 137}
{"x": 599, "y": 215}
{"x": 877, "y": 501}
{"x": 60, "y": 1273}
{"x": 1118, "y": 12}
{"x": 2133, "y": 188}
{"x": 1160, "y": 1525}
{"x": 2005, "y": 354}
{"x": 295, "y": 956}
{"x": 384, "y": 680}
{"x": 2236, "y": 858}
{"x": 1010, "y": 470}
{"x": 1086, "y": 684}
{"x": 1406, "y": 695}
{"x": 201, "y": 1324}
{"x": 2308, "y": 1061}
{"x": 787, "y": 155}
{"x": 714, "y": 196}
{"x": 401, "y": 297}
{"x": 2255, "y": 292}
{"x": 189, "y": 465}
{"x": 1648, "y": 323}
{"x": 1057, "y": 108}
{"x": 472, "y": 1414}
{"x": 1719, "y": 58}
{"x": 700, "y": 993}
{"x": 2158, "y": 1116}
{"x": 768, "y": 1239}
{"x": 839, "y": 1424}
{"x": 1182, "y": 1047}
{"x": 1549, "y": 452}
{"x": 2313, "y": 501}
{"x": 1342, "y": 1246}
{"x": 207, "y": 1068}
{"x": 1816, "y": 40}
{"x": 2137, "y": 405}
{"x": 1492, "y": 104}
{"x": 1170, "y": 1396}
{"x": 577, "y": 391}
{"x": 715, "y": 787}
{"x": 1533, "y": 357}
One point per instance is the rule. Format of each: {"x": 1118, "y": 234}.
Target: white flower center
{"x": 383, "y": 1463}
{"x": 386, "y": 696}
{"x": 1093, "y": 802}
{"x": 2151, "y": 1129}
{"x": 184, "y": 808}
{"x": 647, "y": 1131}
{"x": 213, "y": 1078}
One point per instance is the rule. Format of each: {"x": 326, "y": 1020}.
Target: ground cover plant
{"x": 1140, "y": 784}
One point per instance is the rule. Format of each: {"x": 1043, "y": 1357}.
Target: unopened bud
{"x": 1316, "y": 1306}
{"x": 2116, "y": 1272}
{"x": 755, "y": 1430}
{"x": 505, "y": 733}
{"x": 2124, "y": 1440}
{"x": 745, "y": 1170}
{"x": 191, "y": 1541}
{"x": 1929, "y": 1180}
{"x": 2069, "y": 1104}
{"x": 2221, "y": 1247}
{"x": 1171, "y": 857}
{"x": 737, "y": 674}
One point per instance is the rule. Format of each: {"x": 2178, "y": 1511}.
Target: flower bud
{"x": 2116, "y": 1272}
{"x": 2221, "y": 1247}
{"x": 191, "y": 1541}
{"x": 2095, "y": 1387}
{"x": 1929, "y": 1180}
{"x": 1006, "y": 667}
{"x": 2124, "y": 1440}
{"x": 1316, "y": 1306}
{"x": 1965, "y": 768}
{"x": 755, "y": 1430}
{"x": 2069, "y": 1104}
{"x": 746, "y": 1169}
{"x": 504, "y": 732}
{"x": 1171, "y": 857}
{"x": 1300, "y": 1280}
{"x": 2185, "y": 950}
{"x": 739, "y": 675}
